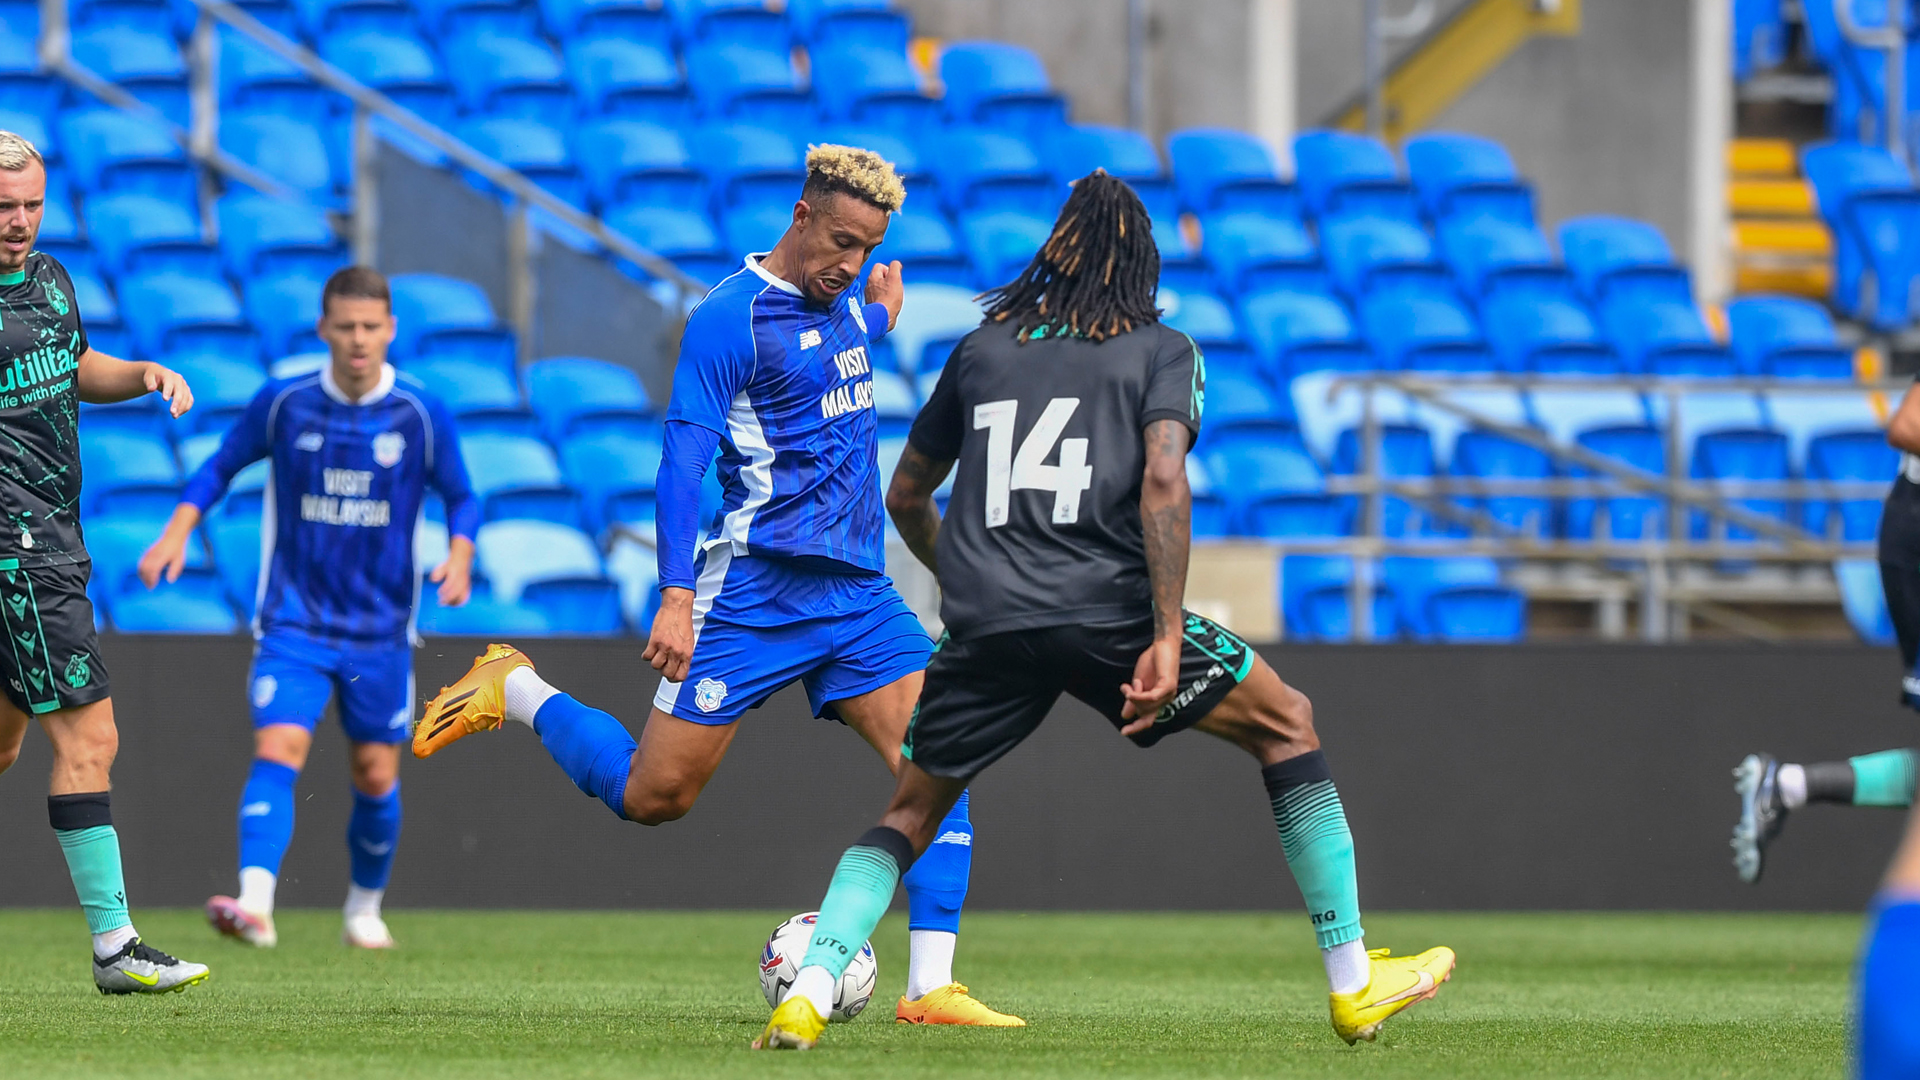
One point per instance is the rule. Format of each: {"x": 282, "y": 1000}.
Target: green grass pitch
{"x": 623, "y": 995}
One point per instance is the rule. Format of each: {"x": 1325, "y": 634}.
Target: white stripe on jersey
{"x": 705, "y": 591}
{"x": 743, "y": 429}
{"x": 269, "y": 533}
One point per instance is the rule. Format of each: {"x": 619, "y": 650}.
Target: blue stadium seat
{"x": 445, "y": 19}
{"x": 1204, "y": 316}
{"x": 298, "y": 364}
{"x": 324, "y": 17}
{"x": 508, "y": 76}
{"x": 923, "y": 240}
{"x": 1075, "y": 151}
{"x": 286, "y": 149}
{"x": 1367, "y": 255}
{"x": 1759, "y": 37}
{"x": 173, "y": 312}
{"x": 1316, "y": 595}
{"x": 265, "y": 237}
{"x": 195, "y": 604}
{"x": 628, "y": 161}
{"x": 128, "y": 473}
{"x": 932, "y": 313}
{"x": 614, "y": 76}
{"x": 1251, "y": 252}
{"x": 1297, "y": 332}
{"x": 1849, "y": 457}
{"x": 23, "y": 87}
{"x": 1492, "y": 257}
{"x": 749, "y": 85}
{"x": 756, "y": 228}
{"x": 1406, "y": 453}
{"x": 1547, "y": 336}
{"x": 97, "y": 305}
{"x": 1457, "y": 598}
{"x": 643, "y": 22}
{"x": 1239, "y": 404}
{"x": 145, "y": 63}
{"x": 1786, "y": 336}
{"x": 397, "y": 64}
{"x": 1218, "y": 169}
{"x": 1490, "y": 456}
{"x": 481, "y": 396}
{"x": 518, "y": 477}
{"x": 1001, "y": 86}
{"x": 481, "y": 616}
{"x": 748, "y": 164}
{"x": 1843, "y": 174}
{"x": 139, "y": 233}
{"x": 1887, "y": 226}
{"x": 870, "y": 24}
{"x": 1342, "y": 173}
{"x": 1806, "y": 418}
{"x": 235, "y": 540}
{"x": 739, "y": 22}
{"x": 284, "y": 308}
{"x": 1273, "y": 489}
{"x": 1612, "y": 256}
{"x": 254, "y": 77}
{"x": 1424, "y": 333}
{"x": 1568, "y": 414}
{"x": 635, "y": 568}
{"x": 1731, "y": 458}
{"x": 1664, "y": 337}
{"x": 117, "y": 540}
{"x": 578, "y": 607}
{"x": 1325, "y": 409}
{"x": 515, "y": 554}
{"x": 1210, "y": 518}
{"x": 573, "y": 394}
{"x": 1466, "y": 175}
{"x": 151, "y": 15}
{"x": 444, "y": 315}
{"x": 535, "y": 150}
{"x": 222, "y": 387}
{"x": 20, "y": 20}
{"x": 893, "y": 396}
{"x": 1002, "y": 242}
{"x": 142, "y": 416}
{"x": 891, "y": 145}
{"x": 982, "y": 170}
{"x": 29, "y": 126}
{"x": 246, "y": 492}
{"x": 108, "y": 150}
{"x": 1864, "y": 599}
{"x": 685, "y": 237}
{"x": 873, "y": 86}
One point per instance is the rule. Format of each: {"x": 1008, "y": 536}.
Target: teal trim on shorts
{"x": 9, "y": 564}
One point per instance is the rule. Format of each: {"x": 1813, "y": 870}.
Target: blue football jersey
{"x": 347, "y": 488}
{"x": 789, "y": 388}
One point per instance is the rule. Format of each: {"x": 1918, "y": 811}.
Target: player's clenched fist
{"x": 885, "y": 287}
{"x": 670, "y": 648}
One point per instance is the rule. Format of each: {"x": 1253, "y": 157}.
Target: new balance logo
{"x": 809, "y": 339}
{"x": 954, "y": 836}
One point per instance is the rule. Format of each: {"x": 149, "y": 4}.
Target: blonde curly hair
{"x": 16, "y": 153}
{"x": 854, "y": 171}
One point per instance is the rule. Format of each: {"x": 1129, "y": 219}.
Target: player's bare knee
{"x": 8, "y": 755}
{"x": 1280, "y": 726}
{"x": 376, "y": 782}
{"x": 657, "y": 807}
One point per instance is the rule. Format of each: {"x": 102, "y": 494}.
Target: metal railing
{"x": 1643, "y": 567}
{"x": 202, "y": 144}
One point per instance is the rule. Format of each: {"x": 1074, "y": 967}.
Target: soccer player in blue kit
{"x": 354, "y": 448}
{"x": 790, "y": 583}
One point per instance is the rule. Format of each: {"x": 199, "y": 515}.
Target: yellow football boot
{"x": 951, "y": 1004}
{"x": 478, "y": 702}
{"x": 1397, "y": 982}
{"x": 796, "y": 1025}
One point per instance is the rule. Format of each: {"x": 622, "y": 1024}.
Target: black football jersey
{"x": 1043, "y": 527}
{"x": 41, "y": 342}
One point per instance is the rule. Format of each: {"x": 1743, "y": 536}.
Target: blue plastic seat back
{"x": 169, "y": 311}
{"x": 437, "y": 312}
{"x": 1494, "y": 456}
{"x": 482, "y": 616}
{"x": 578, "y": 607}
{"x": 1315, "y": 595}
{"x": 745, "y": 163}
{"x": 532, "y": 148}
{"x": 385, "y": 60}
{"x": 1888, "y": 227}
{"x": 575, "y": 393}
{"x": 749, "y": 84}
{"x": 1251, "y": 251}
{"x": 1369, "y": 254}
{"x": 286, "y": 149}
{"x": 609, "y": 465}
{"x": 983, "y": 170}
{"x": 446, "y": 19}
{"x": 616, "y": 76}
{"x": 146, "y": 63}
{"x": 671, "y": 233}
{"x": 1786, "y": 335}
{"x": 1342, "y": 173}
{"x": 742, "y": 22}
{"x": 996, "y": 84}
{"x": 1477, "y": 614}
{"x": 1426, "y": 333}
{"x": 1547, "y": 336}
{"x": 748, "y": 229}
{"x": 116, "y": 541}
{"x": 263, "y": 237}
{"x": 235, "y": 540}
{"x": 1664, "y": 337}
{"x": 194, "y": 604}
{"x": 135, "y": 233}
{"x": 1415, "y": 580}
{"x": 918, "y": 234}
{"x": 1491, "y": 257}
{"x": 1863, "y": 597}
{"x": 254, "y": 77}
{"x": 1239, "y": 401}
{"x": 1456, "y": 173}
{"x": 1295, "y": 332}
{"x": 507, "y": 76}
{"x": 1221, "y": 169}
{"x": 127, "y": 470}
{"x": 222, "y": 387}
{"x": 1850, "y": 456}
{"x": 642, "y": 22}
{"x": 284, "y": 308}
{"x": 466, "y": 387}
{"x": 1203, "y": 316}
{"x": 514, "y": 554}
{"x": 631, "y": 161}
{"x": 109, "y": 150}
{"x": 863, "y": 23}
{"x": 1002, "y": 242}
{"x": 519, "y": 477}
{"x": 872, "y": 86}
{"x": 1609, "y": 255}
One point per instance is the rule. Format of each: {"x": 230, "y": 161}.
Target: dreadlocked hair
{"x": 1097, "y": 274}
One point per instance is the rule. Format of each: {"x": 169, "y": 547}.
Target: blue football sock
{"x": 372, "y": 833}
{"x": 1317, "y": 843}
{"x": 937, "y": 884}
{"x": 266, "y": 815}
{"x": 592, "y": 747}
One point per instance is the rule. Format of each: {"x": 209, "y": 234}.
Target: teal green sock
{"x": 93, "y": 860}
{"x": 859, "y": 894}
{"x": 1883, "y": 779}
{"x": 1317, "y": 843}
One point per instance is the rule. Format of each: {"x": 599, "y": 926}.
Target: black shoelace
{"x": 139, "y": 950}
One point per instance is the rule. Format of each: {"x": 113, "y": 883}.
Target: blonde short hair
{"x": 857, "y": 172}
{"x": 16, "y": 153}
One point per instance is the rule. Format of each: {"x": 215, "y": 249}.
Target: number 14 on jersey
{"x": 1008, "y": 471}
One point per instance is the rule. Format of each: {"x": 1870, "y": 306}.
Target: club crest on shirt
{"x": 809, "y": 339}
{"x": 387, "y": 448}
{"x": 709, "y": 693}
{"x": 264, "y": 688}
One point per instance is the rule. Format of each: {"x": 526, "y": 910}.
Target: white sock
{"x": 526, "y": 692}
{"x": 257, "y": 884}
{"x": 1348, "y": 968}
{"x": 1792, "y": 782}
{"x": 105, "y": 945}
{"x": 362, "y": 901}
{"x": 816, "y": 985}
{"x": 930, "y": 961}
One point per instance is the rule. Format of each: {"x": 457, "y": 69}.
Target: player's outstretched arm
{"x": 1166, "y": 508}
{"x": 104, "y": 379}
{"x": 910, "y": 503}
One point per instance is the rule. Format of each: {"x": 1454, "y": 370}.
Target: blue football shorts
{"x": 293, "y": 677}
{"x": 870, "y": 642}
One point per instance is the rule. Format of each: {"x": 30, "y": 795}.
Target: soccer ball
{"x": 780, "y": 962}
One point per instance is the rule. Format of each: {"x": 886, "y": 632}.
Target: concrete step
{"x": 1770, "y": 198}
{"x": 1762, "y": 158}
{"x": 1792, "y": 238}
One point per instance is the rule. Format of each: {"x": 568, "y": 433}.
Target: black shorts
{"x": 52, "y": 659}
{"x": 984, "y": 696}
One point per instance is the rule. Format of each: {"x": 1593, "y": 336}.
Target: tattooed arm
{"x": 1166, "y": 505}
{"x": 910, "y": 502}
